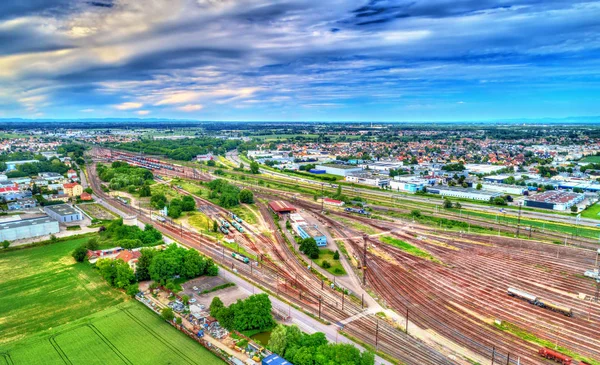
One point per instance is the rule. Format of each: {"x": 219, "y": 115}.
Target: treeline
{"x": 175, "y": 206}
{"x": 122, "y": 176}
{"x": 228, "y": 195}
{"x": 302, "y": 349}
{"x": 252, "y": 313}
{"x": 182, "y": 149}
{"x": 34, "y": 168}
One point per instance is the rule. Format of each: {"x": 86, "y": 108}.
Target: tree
{"x": 278, "y": 341}
{"x": 254, "y": 168}
{"x": 167, "y": 314}
{"x": 158, "y": 201}
{"x": 457, "y": 205}
{"x": 92, "y": 244}
{"x": 574, "y": 208}
{"x": 174, "y": 211}
{"x": 185, "y": 299}
{"x": 142, "y": 268}
{"x": 325, "y": 264}
{"x": 188, "y": 204}
{"x": 145, "y": 191}
{"x": 79, "y": 254}
{"x": 246, "y": 196}
{"x": 215, "y": 226}
{"x": 178, "y": 320}
{"x": 5, "y": 244}
{"x": 336, "y": 255}
{"x": 215, "y": 306}
{"x": 479, "y": 186}
{"x": 132, "y": 290}
{"x": 309, "y": 247}
{"x": 447, "y": 203}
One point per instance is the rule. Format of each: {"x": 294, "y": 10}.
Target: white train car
{"x": 523, "y": 295}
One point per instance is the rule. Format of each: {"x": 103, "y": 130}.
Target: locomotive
{"x": 543, "y": 303}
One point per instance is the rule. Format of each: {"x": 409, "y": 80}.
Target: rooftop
{"x": 281, "y": 206}
{"x": 556, "y": 197}
{"x": 340, "y": 166}
{"x": 26, "y": 222}
{"x": 62, "y": 209}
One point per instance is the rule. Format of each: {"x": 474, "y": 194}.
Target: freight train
{"x": 224, "y": 230}
{"x": 224, "y": 223}
{"x": 235, "y": 217}
{"x": 241, "y": 258}
{"x": 356, "y": 210}
{"x": 237, "y": 226}
{"x": 540, "y": 302}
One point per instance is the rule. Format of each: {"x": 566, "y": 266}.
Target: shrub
{"x": 325, "y": 264}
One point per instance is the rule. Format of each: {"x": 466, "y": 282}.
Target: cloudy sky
{"x": 299, "y": 59}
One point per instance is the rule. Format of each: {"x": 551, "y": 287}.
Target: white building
{"x": 463, "y": 193}
{"x": 28, "y": 228}
{"x": 504, "y": 188}
{"x": 368, "y": 179}
{"x": 339, "y": 169}
{"x": 408, "y": 184}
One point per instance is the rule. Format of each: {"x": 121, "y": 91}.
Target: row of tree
{"x": 173, "y": 262}
{"x": 228, "y": 195}
{"x": 302, "y": 349}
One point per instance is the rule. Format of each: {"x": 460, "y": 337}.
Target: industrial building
{"x": 555, "y": 200}
{"x": 339, "y": 169}
{"x": 382, "y": 166}
{"x": 22, "y": 204}
{"x": 337, "y": 203}
{"x": 308, "y": 231}
{"x": 505, "y": 188}
{"x": 28, "y": 228}
{"x": 379, "y": 181}
{"x": 408, "y": 184}
{"x": 281, "y": 207}
{"x": 63, "y": 213}
{"x": 462, "y": 193}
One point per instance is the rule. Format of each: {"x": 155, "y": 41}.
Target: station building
{"x": 63, "y": 213}
{"x": 27, "y": 228}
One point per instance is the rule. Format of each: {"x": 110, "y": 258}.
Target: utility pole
{"x": 322, "y": 198}
{"x": 519, "y": 220}
{"x": 366, "y": 240}
{"x": 493, "y": 354}
{"x": 320, "y": 300}
{"x": 377, "y": 334}
{"x": 406, "y": 328}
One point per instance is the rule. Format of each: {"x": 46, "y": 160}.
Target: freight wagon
{"x": 554, "y": 355}
{"x": 241, "y": 258}
{"x": 224, "y": 230}
{"x": 543, "y": 303}
{"x": 237, "y": 226}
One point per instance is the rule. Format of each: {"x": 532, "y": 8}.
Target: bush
{"x": 5, "y": 244}
{"x": 336, "y": 255}
{"x": 167, "y": 314}
{"x": 80, "y": 253}
{"x": 325, "y": 264}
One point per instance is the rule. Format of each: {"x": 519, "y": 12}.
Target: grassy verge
{"x": 408, "y": 248}
{"x": 530, "y": 337}
{"x": 335, "y": 267}
{"x": 218, "y": 287}
{"x": 592, "y": 212}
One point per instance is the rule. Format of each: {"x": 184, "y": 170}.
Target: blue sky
{"x": 300, "y": 60}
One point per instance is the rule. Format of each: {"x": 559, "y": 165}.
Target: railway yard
{"x": 450, "y": 304}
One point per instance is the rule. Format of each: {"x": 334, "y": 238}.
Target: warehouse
{"x": 555, "y": 200}
{"x": 505, "y": 188}
{"x": 28, "y": 228}
{"x": 462, "y": 193}
{"x": 63, "y": 213}
{"x": 379, "y": 181}
{"x": 308, "y": 231}
{"x": 281, "y": 207}
{"x": 339, "y": 169}
{"x": 275, "y": 359}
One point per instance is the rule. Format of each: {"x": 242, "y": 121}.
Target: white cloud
{"x": 87, "y": 110}
{"x": 190, "y": 107}
{"x": 143, "y": 112}
{"x": 128, "y": 106}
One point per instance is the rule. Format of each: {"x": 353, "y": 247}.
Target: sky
{"x": 322, "y": 60}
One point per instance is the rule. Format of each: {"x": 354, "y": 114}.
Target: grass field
{"x": 56, "y": 311}
{"x": 327, "y": 255}
{"x": 592, "y": 212}
{"x": 591, "y": 159}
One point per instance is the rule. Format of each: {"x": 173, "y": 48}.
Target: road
{"x": 233, "y": 156}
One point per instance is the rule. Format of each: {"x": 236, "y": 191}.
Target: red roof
{"x": 71, "y": 171}
{"x": 85, "y": 196}
{"x": 70, "y": 185}
{"x": 9, "y": 189}
{"x": 280, "y": 206}
{"x": 127, "y": 256}
{"x": 332, "y": 201}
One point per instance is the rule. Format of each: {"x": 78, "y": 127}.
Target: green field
{"x": 56, "y": 311}
{"x": 591, "y": 159}
{"x": 592, "y": 212}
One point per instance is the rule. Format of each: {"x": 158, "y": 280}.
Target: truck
{"x": 555, "y": 355}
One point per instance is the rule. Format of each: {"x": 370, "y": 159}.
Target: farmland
{"x": 55, "y": 311}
